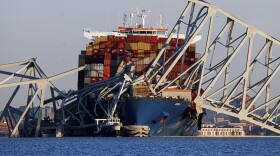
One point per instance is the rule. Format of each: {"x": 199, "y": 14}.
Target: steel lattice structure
{"x": 37, "y": 82}
{"x": 231, "y": 86}
{"x": 219, "y": 80}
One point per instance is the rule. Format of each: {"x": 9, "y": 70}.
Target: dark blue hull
{"x": 165, "y": 117}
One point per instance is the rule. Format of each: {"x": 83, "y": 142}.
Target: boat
{"x": 131, "y": 49}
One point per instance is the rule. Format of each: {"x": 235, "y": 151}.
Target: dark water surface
{"x": 140, "y": 146}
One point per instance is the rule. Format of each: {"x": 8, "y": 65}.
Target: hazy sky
{"x": 52, "y": 30}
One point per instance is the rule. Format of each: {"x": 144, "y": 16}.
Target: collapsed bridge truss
{"x": 232, "y": 68}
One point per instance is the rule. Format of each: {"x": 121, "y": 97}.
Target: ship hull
{"x": 165, "y": 117}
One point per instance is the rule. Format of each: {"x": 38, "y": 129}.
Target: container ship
{"x": 131, "y": 49}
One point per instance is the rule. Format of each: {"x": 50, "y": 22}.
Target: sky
{"x": 52, "y": 30}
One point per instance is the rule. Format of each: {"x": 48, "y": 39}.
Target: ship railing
{"x": 108, "y": 122}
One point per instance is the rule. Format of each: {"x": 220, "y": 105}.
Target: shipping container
{"x": 131, "y": 46}
{"x": 110, "y": 38}
{"x": 88, "y": 47}
{"x": 87, "y": 81}
{"x": 88, "y": 60}
{"x": 93, "y": 79}
{"x": 93, "y": 73}
{"x": 88, "y": 67}
{"x": 153, "y": 54}
{"x": 162, "y": 40}
{"x": 101, "y": 39}
{"x": 95, "y": 45}
{"x": 81, "y": 75}
{"x": 121, "y": 45}
{"x": 82, "y": 60}
{"x": 87, "y": 73}
{"x": 106, "y": 73}
{"x": 83, "y": 52}
{"x": 114, "y": 63}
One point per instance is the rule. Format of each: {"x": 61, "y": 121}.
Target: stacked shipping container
{"x": 103, "y": 56}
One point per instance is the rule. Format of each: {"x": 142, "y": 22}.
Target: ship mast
{"x": 131, "y": 19}
{"x": 124, "y": 19}
{"x": 160, "y": 20}
{"x": 143, "y": 14}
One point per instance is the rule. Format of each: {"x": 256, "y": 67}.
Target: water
{"x": 140, "y": 146}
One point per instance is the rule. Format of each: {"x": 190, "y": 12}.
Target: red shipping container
{"x": 101, "y": 52}
{"x": 139, "y": 73}
{"x": 106, "y": 73}
{"x": 147, "y": 39}
{"x": 109, "y": 44}
{"x": 121, "y": 45}
{"x": 188, "y": 59}
{"x": 172, "y": 44}
{"x": 116, "y": 39}
{"x": 168, "y": 54}
{"x": 153, "y": 46}
{"x": 185, "y": 67}
{"x": 180, "y": 41}
{"x": 108, "y": 56}
{"x": 93, "y": 79}
{"x": 154, "y": 39}
{"x": 107, "y": 59}
{"x": 143, "y": 38}
{"x": 110, "y": 38}
{"x": 162, "y": 40}
{"x": 172, "y": 47}
{"x": 131, "y": 39}
{"x": 102, "y": 45}
{"x": 107, "y": 62}
{"x": 134, "y": 53}
{"x": 173, "y": 40}
{"x": 122, "y": 39}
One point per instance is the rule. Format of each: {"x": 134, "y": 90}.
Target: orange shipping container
{"x": 89, "y": 53}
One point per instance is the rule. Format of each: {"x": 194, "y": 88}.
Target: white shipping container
{"x": 87, "y": 80}
{"x": 92, "y": 66}
{"x": 147, "y": 60}
{"x": 100, "y": 73}
{"x": 93, "y": 73}
{"x": 101, "y": 67}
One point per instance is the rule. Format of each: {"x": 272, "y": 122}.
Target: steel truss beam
{"x": 39, "y": 85}
{"x": 221, "y": 99}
